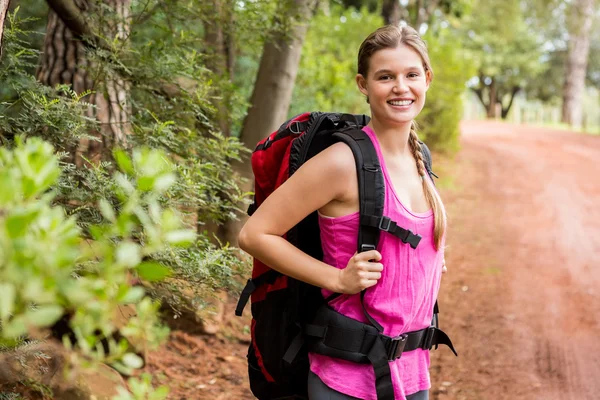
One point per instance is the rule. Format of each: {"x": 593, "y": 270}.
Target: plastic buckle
{"x": 396, "y": 347}
{"x": 367, "y": 247}
{"x": 298, "y": 129}
{"x": 428, "y": 341}
{"x": 413, "y": 239}
{"x": 388, "y": 222}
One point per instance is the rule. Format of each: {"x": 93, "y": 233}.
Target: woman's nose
{"x": 400, "y": 86}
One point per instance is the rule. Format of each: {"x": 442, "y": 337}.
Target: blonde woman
{"x": 394, "y": 73}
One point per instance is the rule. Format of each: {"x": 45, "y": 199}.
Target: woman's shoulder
{"x": 337, "y": 159}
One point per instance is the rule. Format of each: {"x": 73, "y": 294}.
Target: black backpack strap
{"x": 371, "y": 184}
{"x": 371, "y": 193}
{"x": 427, "y": 159}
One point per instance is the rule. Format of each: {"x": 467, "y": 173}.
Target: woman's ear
{"x": 428, "y": 78}
{"x": 361, "y": 82}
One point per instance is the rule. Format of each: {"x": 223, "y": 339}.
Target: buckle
{"x": 428, "y": 340}
{"x": 396, "y": 346}
{"x": 388, "y": 223}
{"x": 413, "y": 239}
{"x": 367, "y": 247}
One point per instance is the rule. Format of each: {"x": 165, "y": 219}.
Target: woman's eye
{"x": 413, "y": 75}
{"x": 385, "y": 77}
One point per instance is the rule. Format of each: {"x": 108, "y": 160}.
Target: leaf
{"x": 44, "y": 315}
{"x": 128, "y": 254}
{"x": 124, "y": 162}
{"x": 107, "y": 210}
{"x": 153, "y": 271}
{"x": 164, "y": 182}
{"x": 181, "y": 237}
{"x": 7, "y": 300}
{"x": 133, "y": 295}
{"x": 15, "y": 328}
{"x": 133, "y": 360}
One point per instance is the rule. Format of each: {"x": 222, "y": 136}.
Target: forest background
{"x": 126, "y": 127}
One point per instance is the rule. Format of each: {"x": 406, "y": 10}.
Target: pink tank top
{"x": 402, "y": 301}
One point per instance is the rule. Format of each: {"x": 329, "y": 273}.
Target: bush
{"x": 439, "y": 120}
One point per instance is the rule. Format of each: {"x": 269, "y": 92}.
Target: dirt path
{"x": 522, "y": 293}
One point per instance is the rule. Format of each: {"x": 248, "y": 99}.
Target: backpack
{"x": 290, "y": 317}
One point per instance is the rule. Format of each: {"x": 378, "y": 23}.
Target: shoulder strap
{"x": 371, "y": 185}
{"x": 427, "y": 157}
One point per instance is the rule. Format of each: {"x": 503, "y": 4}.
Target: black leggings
{"x": 317, "y": 390}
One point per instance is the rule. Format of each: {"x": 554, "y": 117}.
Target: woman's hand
{"x": 363, "y": 271}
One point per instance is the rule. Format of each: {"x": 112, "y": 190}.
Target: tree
{"x": 3, "y": 10}
{"x": 580, "y": 27}
{"x": 276, "y": 75}
{"x": 391, "y": 12}
{"x": 65, "y": 61}
{"x": 507, "y": 53}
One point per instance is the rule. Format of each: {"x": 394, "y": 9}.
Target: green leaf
{"x": 133, "y": 295}
{"x": 164, "y": 182}
{"x": 181, "y": 237}
{"x": 15, "y": 328}
{"x": 129, "y": 254}
{"x": 107, "y": 210}
{"x": 153, "y": 271}
{"x": 124, "y": 162}
{"x": 133, "y": 360}
{"x": 7, "y": 300}
{"x": 44, "y": 315}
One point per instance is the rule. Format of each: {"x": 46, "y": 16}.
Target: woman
{"x": 394, "y": 74}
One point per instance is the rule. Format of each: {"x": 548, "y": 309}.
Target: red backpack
{"x": 290, "y": 317}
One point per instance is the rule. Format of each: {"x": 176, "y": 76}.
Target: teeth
{"x": 401, "y": 103}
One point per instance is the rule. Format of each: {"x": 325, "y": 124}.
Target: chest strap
{"x": 386, "y": 224}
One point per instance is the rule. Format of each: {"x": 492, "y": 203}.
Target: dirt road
{"x": 521, "y": 299}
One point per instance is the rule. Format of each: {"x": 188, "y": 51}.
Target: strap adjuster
{"x": 367, "y": 247}
{"x": 395, "y": 346}
{"x": 385, "y": 223}
{"x": 298, "y": 127}
{"x": 428, "y": 339}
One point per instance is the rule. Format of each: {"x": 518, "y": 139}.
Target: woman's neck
{"x": 393, "y": 139}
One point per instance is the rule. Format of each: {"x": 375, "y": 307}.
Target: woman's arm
{"x": 327, "y": 177}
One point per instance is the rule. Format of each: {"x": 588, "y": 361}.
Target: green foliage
{"x": 503, "y": 47}
{"x": 182, "y": 127}
{"x": 325, "y": 80}
{"x": 439, "y": 120}
{"x": 49, "y": 270}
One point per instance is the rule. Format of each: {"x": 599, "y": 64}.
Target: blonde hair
{"x": 391, "y": 36}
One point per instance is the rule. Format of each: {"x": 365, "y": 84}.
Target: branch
{"x": 75, "y": 20}
{"x": 479, "y": 93}
{"x": 3, "y": 11}
{"x": 514, "y": 92}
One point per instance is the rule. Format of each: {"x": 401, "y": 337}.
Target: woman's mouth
{"x": 401, "y": 103}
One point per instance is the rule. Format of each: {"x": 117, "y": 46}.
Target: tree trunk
{"x": 391, "y": 12}
{"x": 272, "y": 92}
{"x": 491, "y": 109}
{"x": 3, "y": 10}
{"x": 577, "y": 59}
{"x": 219, "y": 59}
{"x": 506, "y": 110}
{"x": 64, "y": 61}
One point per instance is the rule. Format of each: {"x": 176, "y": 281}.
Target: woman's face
{"x": 396, "y": 84}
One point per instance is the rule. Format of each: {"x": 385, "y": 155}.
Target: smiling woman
{"x": 389, "y": 289}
